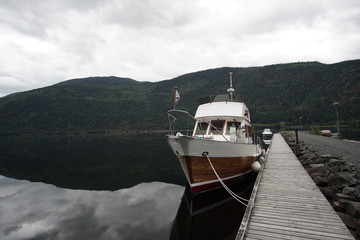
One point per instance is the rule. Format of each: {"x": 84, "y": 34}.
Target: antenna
{"x": 230, "y": 73}
{"x": 231, "y": 90}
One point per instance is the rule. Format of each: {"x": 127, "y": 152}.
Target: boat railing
{"x": 172, "y": 120}
{"x": 172, "y": 123}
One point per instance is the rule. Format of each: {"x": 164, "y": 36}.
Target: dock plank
{"x": 287, "y": 204}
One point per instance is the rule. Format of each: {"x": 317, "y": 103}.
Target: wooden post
{"x": 297, "y": 147}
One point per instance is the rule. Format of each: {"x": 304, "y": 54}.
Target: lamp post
{"x": 300, "y": 124}
{"x": 337, "y": 118}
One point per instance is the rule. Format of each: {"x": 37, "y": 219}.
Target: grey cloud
{"x": 10, "y": 229}
{"x": 144, "y": 13}
{"x": 129, "y": 232}
{"x": 11, "y": 84}
{"x": 274, "y": 17}
{"x": 28, "y": 17}
{"x": 44, "y": 42}
{"x": 82, "y": 224}
{"x": 51, "y": 235}
{"x": 37, "y": 17}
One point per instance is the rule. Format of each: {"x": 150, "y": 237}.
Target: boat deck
{"x": 287, "y": 204}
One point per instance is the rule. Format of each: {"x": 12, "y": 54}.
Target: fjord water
{"x": 92, "y": 162}
{"x": 104, "y": 187}
{"x": 42, "y": 211}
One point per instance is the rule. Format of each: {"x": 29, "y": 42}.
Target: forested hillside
{"x": 275, "y": 93}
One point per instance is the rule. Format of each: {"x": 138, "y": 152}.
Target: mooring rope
{"x": 237, "y": 198}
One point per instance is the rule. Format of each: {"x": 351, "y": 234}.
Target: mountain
{"x": 274, "y": 93}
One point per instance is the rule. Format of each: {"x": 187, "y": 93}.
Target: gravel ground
{"x": 346, "y": 149}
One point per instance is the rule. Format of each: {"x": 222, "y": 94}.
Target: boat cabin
{"x": 223, "y": 120}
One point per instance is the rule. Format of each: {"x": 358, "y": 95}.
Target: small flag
{"x": 176, "y": 97}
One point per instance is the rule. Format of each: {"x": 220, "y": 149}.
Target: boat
{"x": 221, "y": 148}
{"x": 267, "y": 136}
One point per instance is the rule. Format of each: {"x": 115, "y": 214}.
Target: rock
{"x": 344, "y": 196}
{"x": 318, "y": 160}
{"x": 310, "y": 155}
{"x": 302, "y": 152}
{"x": 334, "y": 169}
{"x": 334, "y": 162}
{"x": 340, "y": 180}
{"x": 317, "y": 171}
{"x": 334, "y": 190}
{"x": 337, "y": 182}
{"x": 353, "y": 209}
{"x": 327, "y": 192}
{"x": 346, "y": 168}
{"x": 305, "y": 161}
{"x": 348, "y": 177}
{"x": 316, "y": 165}
{"x": 337, "y": 206}
{"x": 320, "y": 181}
{"x": 358, "y": 227}
{"x": 348, "y": 190}
{"x": 347, "y": 220}
{"x": 344, "y": 204}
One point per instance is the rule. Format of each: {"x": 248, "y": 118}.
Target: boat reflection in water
{"x": 213, "y": 214}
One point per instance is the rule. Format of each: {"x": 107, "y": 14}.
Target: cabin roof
{"x": 219, "y": 98}
{"x": 222, "y": 110}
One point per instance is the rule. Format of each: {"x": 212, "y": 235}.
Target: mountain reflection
{"x": 91, "y": 162}
{"x": 40, "y": 211}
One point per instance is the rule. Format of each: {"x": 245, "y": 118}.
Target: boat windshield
{"x": 201, "y": 128}
{"x": 217, "y": 127}
{"x": 267, "y": 136}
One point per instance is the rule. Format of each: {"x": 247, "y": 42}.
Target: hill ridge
{"x": 274, "y": 93}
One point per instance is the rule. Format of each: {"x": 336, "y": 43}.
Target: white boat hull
{"x": 232, "y": 161}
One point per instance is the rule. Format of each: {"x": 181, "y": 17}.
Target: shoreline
{"x": 84, "y": 133}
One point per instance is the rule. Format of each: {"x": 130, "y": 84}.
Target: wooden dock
{"x": 286, "y": 203}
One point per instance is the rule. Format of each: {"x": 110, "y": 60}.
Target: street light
{"x": 337, "y": 118}
{"x": 300, "y": 124}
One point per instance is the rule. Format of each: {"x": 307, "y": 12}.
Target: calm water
{"x": 42, "y": 211}
{"x": 106, "y": 187}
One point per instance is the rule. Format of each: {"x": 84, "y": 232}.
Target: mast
{"x": 231, "y": 90}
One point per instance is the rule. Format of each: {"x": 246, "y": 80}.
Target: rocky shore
{"x": 338, "y": 180}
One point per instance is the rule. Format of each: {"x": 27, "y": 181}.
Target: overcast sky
{"x": 43, "y": 42}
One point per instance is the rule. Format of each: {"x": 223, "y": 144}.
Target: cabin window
{"x": 248, "y": 131}
{"x": 229, "y": 124}
{"x": 217, "y": 127}
{"x": 246, "y": 114}
{"x": 201, "y": 128}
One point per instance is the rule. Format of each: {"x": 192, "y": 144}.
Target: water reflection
{"x": 152, "y": 210}
{"x": 41, "y": 211}
{"x": 93, "y": 162}
{"x": 211, "y": 215}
